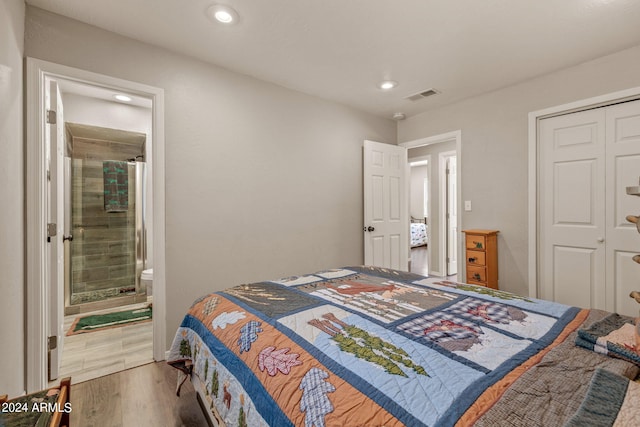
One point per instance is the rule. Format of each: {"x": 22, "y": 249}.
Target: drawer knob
{"x": 477, "y": 276}
{"x": 478, "y": 245}
{"x": 473, "y": 259}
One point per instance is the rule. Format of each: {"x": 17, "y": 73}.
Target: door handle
{"x": 369, "y": 228}
{"x": 600, "y": 239}
{"x": 69, "y": 237}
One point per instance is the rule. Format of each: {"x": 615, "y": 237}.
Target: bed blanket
{"x": 612, "y": 400}
{"x": 613, "y": 336}
{"x": 418, "y": 234}
{"x": 551, "y": 392}
{"x": 364, "y": 346}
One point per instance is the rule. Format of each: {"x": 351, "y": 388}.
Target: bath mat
{"x": 97, "y": 322}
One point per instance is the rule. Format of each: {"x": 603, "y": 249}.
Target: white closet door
{"x": 572, "y": 197}
{"x": 623, "y": 240}
{"x": 587, "y": 159}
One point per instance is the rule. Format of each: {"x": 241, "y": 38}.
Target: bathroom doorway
{"x": 106, "y": 144}
{"x": 104, "y": 135}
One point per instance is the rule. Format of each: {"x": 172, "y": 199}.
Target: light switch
{"x": 467, "y": 205}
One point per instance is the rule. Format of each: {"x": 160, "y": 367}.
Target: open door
{"x": 54, "y": 136}
{"x": 386, "y": 210}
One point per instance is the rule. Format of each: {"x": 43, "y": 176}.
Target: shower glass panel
{"x": 103, "y": 249}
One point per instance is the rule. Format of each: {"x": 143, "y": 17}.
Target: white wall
{"x": 12, "y": 264}
{"x": 416, "y": 191}
{"x": 261, "y": 181}
{"x": 99, "y": 112}
{"x": 495, "y": 143}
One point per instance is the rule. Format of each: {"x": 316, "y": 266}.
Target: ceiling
{"x": 341, "y": 49}
{"x": 93, "y": 91}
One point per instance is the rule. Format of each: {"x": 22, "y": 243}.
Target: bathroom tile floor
{"x": 95, "y": 354}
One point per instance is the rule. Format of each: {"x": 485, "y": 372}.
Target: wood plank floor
{"x": 141, "y": 397}
{"x": 94, "y": 354}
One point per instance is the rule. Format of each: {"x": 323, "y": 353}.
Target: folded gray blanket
{"x": 612, "y": 336}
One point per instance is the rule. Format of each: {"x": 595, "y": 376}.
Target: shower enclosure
{"x": 105, "y": 236}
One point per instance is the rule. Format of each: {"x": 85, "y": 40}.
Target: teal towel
{"x": 116, "y": 186}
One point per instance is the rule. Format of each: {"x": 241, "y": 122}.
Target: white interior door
{"x": 452, "y": 218}
{"x": 572, "y": 226}
{"x": 586, "y": 246}
{"x": 54, "y": 135}
{"x": 622, "y": 238}
{"x": 386, "y": 211}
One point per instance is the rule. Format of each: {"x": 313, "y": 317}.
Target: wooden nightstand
{"x": 481, "y": 257}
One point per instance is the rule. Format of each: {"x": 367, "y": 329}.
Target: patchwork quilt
{"x": 363, "y": 346}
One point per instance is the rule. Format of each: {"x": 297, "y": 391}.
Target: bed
{"x": 418, "y": 232}
{"x": 365, "y": 346}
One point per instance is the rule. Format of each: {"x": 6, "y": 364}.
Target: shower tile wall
{"x": 103, "y": 246}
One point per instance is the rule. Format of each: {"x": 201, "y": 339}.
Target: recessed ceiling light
{"x": 222, "y": 13}
{"x": 387, "y": 84}
{"x": 123, "y": 98}
{"x": 399, "y": 116}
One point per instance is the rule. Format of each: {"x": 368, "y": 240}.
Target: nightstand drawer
{"x": 475, "y": 258}
{"x": 473, "y": 282}
{"x": 476, "y": 242}
{"x": 478, "y": 274}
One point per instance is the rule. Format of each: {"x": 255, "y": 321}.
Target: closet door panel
{"x": 622, "y": 237}
{"x": 571, "y": 197}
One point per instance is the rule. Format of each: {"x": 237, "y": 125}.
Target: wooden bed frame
{"x": 59, "y": 418}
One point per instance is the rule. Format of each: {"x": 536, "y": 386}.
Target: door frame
{"x": 443, "y": 160}
{"x": 534, "y": 165}
{"x": 36, "y": 197}
{"x": 435, "y": 139}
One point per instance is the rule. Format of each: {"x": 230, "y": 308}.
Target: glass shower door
{"x": 103, "y": 249}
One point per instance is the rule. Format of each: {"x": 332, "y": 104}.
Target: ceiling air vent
{"x": 423, "y": 94}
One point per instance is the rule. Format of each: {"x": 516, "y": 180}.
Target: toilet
{"x": 146, "y": 282}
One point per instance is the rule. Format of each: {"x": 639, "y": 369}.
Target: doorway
{"x": 105, "y": 237}
{"x": 89, "y": 101}
{"x": 419, "y": 206}
{"x": 443, "y": 237}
